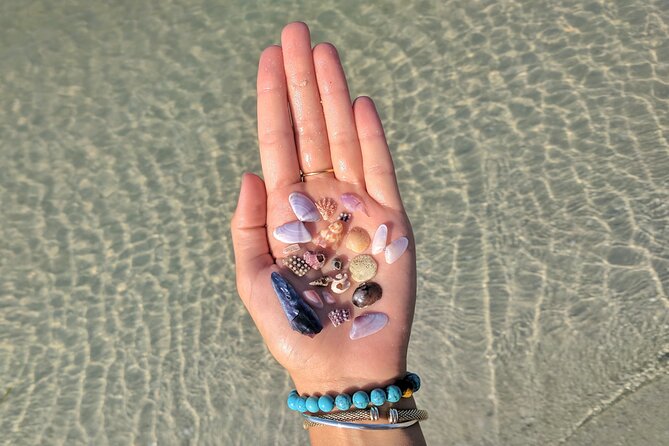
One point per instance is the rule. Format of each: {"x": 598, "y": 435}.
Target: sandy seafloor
{"x": 532, "y": 146}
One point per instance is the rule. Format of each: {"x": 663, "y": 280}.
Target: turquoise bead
{"x": 312, "y": 404}
{"x": 325, "y": 403}
{"x": 360, "y": 399}
{"x": 293, "y": 397}
{"x": 414, "y": 380}
{"x": 301, "y": 404}
{"x": 343, "y": 401}
{"x": 378, "y": 397}
{"x": 394, "y": 394}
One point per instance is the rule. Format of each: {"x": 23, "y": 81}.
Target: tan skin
{"x": 306, "y": 121}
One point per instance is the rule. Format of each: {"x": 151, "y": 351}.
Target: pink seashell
{"x": 315, "y": 260}
{"x": 353, "y": 203}
{"x": 328, "y": 298}
{"x": 303, "y": 207}
{"x": 339, "y": 316}
{"x": 313, "y": 299}
{"x": 292, "y": 232}
{"x": 327, "y": 207}
{"x": 367, "y": 324}
{"x": 396, "y": 249}
{"x": 380, "y": 239}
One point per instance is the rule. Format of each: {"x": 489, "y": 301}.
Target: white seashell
{"x": 396, "y": 249}
{"x": 340, "y": 283}
{"x": 353, "y": 203}
{"x": 380, "y": 239}
{"x": 291, "y": 249}
{"x": 367, "y": 324}
{"x": 292, "y": 232}
{"x": 303, "y": 207}
{"x": 313, "y": 299}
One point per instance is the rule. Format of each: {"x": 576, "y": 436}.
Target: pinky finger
{"x": 377, "y": 163}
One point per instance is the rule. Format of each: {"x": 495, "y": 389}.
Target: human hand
{"x": 306, "y": 122}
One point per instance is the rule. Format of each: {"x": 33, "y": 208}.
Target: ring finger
{"x": 305, "y": 101}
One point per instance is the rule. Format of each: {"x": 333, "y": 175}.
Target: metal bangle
{"x": 353, "y": 415}
{"x": 318, "y": 421}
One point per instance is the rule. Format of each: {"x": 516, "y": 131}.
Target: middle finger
{"x": 305, "y": 101}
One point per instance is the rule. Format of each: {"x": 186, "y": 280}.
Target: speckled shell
{"x": 315, "y": 260}
{"x": 297, "y": 265}
{"x": 321, "y": 281}
{"x": 339, "y": 315}
{"x": 362, "y": 268}
{"x": 357, "y": 240}
{"x": 337, "y": 263}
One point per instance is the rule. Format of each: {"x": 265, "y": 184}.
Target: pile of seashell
{"x": 332, "y": 276}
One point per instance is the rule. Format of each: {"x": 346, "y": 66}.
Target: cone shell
{"x": 362, "y": 268}
{"x": 327, "y": 208}
{"x": 321, "y": 281}
{"x": 357, "y": 240}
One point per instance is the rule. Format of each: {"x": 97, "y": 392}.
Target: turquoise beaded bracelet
{"x": 404, "y": 387}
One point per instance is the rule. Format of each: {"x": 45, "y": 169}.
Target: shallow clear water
{"x": 532, "y": 147}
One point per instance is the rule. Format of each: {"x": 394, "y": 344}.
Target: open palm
{"x": 306, "y": 122}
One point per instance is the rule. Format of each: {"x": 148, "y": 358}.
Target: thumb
{"x": 249, "y": 234}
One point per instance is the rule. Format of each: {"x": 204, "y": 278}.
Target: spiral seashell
{"x": 331, "y": 235}
{"x": 337, "y": 263}
{"x": 340, "y": 283}
{"x": 327, "y": 208}
{"x": 321, "y": 281}
{"x": 303, "y": 207}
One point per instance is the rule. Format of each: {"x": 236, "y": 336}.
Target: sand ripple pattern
{"x": 532, "y": 147}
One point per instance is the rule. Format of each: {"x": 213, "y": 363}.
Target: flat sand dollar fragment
{"x": 362, "y": 268}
